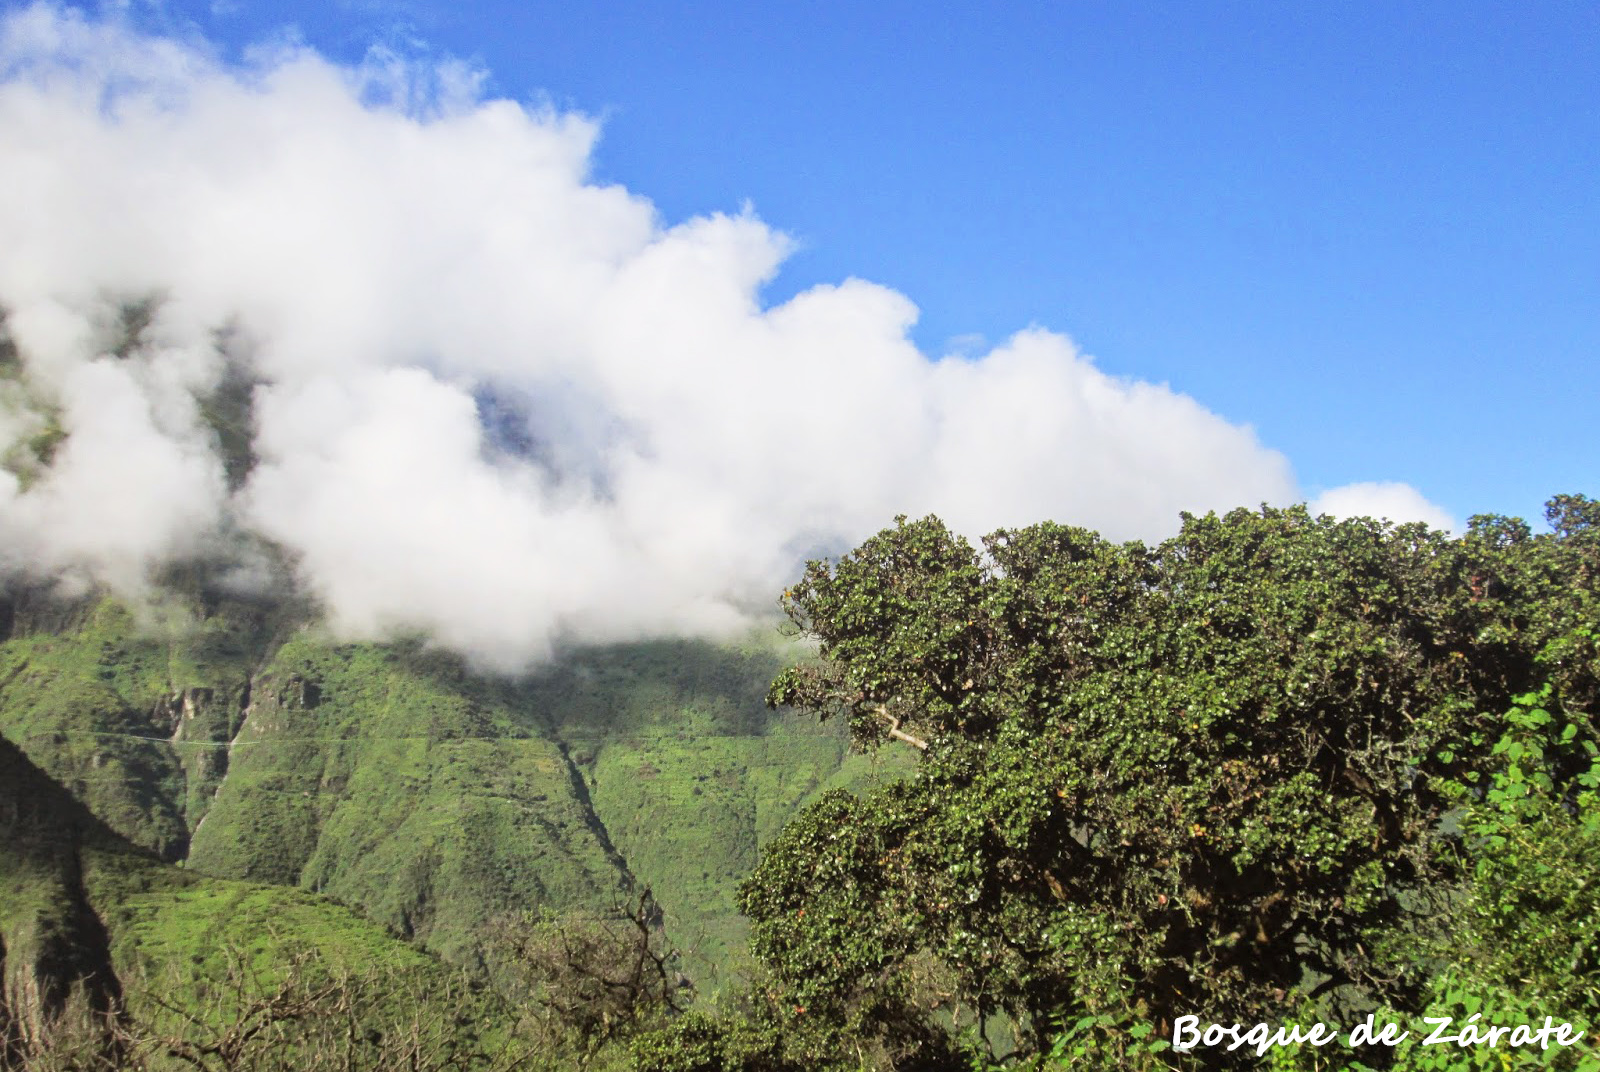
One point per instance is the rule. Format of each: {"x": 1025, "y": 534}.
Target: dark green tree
{"x": 1202, "y": 777}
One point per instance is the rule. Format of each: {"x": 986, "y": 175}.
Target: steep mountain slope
{"x": 53, "y": 943}
{"x": 691, "y": 775}
{"x": 390, "y": 779}
{"x": 228, "y": 735}
{"x": 89, "y": 920}
{"x": 103, "y": 706}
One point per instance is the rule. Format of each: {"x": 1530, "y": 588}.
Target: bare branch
{"x": 899, "y": 734}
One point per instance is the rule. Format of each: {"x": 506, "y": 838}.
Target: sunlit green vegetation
{"x": 1034, "y": 803}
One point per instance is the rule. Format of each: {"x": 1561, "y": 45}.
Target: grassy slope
{"x": 383, "y": 777}
{"x": 77, "y": 899}
{"x": 692, "y": 775}
{"x": 52, "y": 943}
{"x": 435, "y": 799}
{"x": 130, "y": 715}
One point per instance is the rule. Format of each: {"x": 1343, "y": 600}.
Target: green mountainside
{"x": 90, "y": 922}
{"x": 1305, "y": 769}
{"x": 229, "y": 736}
{"x": 52, "y": 941}
{"x": 691, "y": 775}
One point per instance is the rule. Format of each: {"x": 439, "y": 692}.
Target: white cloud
{"x": 130, "y": 484}
{"x": 498, "y": 402}
{"x": 1385, "y": 501}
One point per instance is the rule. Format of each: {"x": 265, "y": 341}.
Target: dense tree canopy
{"x": 1234, "y": 773}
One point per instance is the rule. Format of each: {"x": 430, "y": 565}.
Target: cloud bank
{"x": 392, "y": 329}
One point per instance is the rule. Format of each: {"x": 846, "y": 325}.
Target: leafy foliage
{"x": 1278, "y": 767}
{"x": 1206, "y": 775}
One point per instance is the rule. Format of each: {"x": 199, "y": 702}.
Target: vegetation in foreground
{"x": 1276, "y": 769}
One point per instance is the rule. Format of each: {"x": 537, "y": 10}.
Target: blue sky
{"x": 605, "y": 338}
{"x": 1371, "y": 231}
